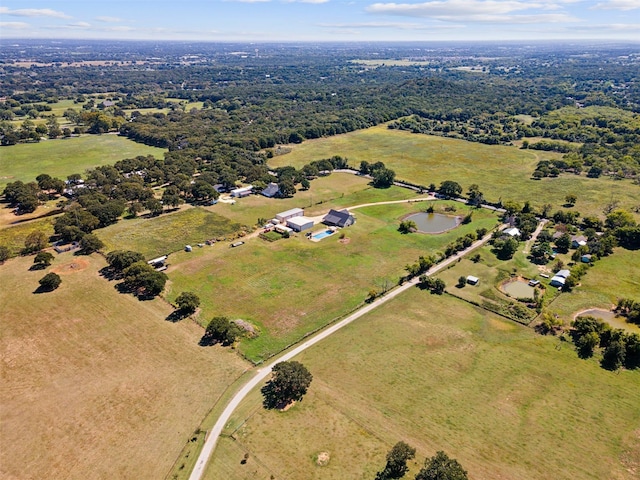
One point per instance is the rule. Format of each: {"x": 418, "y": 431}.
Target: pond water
{"x": 518, "y": 289}
{"x": 433, "y": 222}
{"x": 610, "y": 317}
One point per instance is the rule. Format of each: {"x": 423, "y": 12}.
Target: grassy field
{"x": 501, "y": 172}
{"x": 293, "y": 286}
{"x": 63, "y": 157}
{"x": 167, "y": 233}
{"x": 14, "y": 236}
{"x": 97, "y": 384}
{"x": 442, "y": 375}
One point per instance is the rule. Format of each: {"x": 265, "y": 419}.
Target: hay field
{"x": 501, "y": 172}
{"x": 96, "y": 384}
{"x": 442, "y": 375}
{"x": 64, "y": 156}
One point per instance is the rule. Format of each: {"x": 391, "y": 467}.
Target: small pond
{"x": 518, "y": 289}
{"x": 433, "y": 222}
{"x": 609, "y": 317}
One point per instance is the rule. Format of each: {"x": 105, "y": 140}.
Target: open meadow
{"x": 96, "y": 384}
{"x": 13, "y": 236}
{"x": 441, "y": 374}
{"x": 65, "y": 156}
{"x": 501, "y": 172}
{"x": 293, "y": 286}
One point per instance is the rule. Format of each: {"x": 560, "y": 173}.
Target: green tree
{"x": 613, "y": 356}
{"x": 397, "y": 459}
{"x": 563, "y": 243}
{"x": 462, "y": 281}
{"x": 407, "y": 226}
{"x": 505, "y": 248}
{"x": 144, "y": 279}
{"x": 220, "y": 329}
{"x": 154, "y": 206}
{"x": 50, "y": 281}
{"x": 121, "y": 259}
{"x": 188, "y": 302}
{"x": 287, "y": 188}
{"x": 305, "y": 184}
{"x": 289, "y": 383}
{"x": 383, "y": 177}
{"x": 35, "y": 242}
{"x": 449, "y": 188}
{"x": 5, "y": 253}
{"x": 441, "y": 467}
{"x": 90, "y": 243}
{"x": 43, "y": 259}
{"x": 571, "y": 199}
{"x": 619, "y": 218}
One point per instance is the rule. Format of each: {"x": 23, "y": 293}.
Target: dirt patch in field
{"x": 345, "y": 240}
{"x": 77, "y": 265}
{"x": 323, "y": 459}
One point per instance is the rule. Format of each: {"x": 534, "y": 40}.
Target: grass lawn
{"x": 97, "y": 384}
{"x": 167, "y": 233}
{"x": 442, "y": 375}
{"x": 294, "y": 286}
{"x": 63, "y": 157}
{"x": 500, "y": 171}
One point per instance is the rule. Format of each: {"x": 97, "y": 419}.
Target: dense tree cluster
{"x": 619, "y": 348}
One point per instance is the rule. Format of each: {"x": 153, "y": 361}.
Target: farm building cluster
{"x": 294, "y": 220}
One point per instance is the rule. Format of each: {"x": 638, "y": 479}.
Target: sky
{"x": 321, "y": 20}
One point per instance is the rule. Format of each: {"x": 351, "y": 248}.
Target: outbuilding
{"x": 271, "y": 190}
{"x": 286, "y": 215}
{"x": 471, "y": 280}
{"x": 242, "y": 191}
{"x": 512, "y": 232}
{"x": 299, "y": 224}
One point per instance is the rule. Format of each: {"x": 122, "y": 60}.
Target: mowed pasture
{"x": 502, "y": 172}
{"x": 62, "y": 157}
{"x": 96, "y": 384}
{"x": 167, "y": 233}
{"x": 440, "y": 374}
{"x": 293, "y": 286}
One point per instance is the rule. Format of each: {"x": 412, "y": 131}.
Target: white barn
{"x": 294, "y": 212}
{"x": 300, "y": 224}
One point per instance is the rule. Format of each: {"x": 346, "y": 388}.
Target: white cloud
{"x": 249, "y": 1}
{"x": 483, "y": 11}
{"x": 618, "y": 5}
{"x": 79, "y": 25}
{"x": 612, "y": 27}
{"x": 312, "y": 1}
{"x": 32, "y": 12}
{"x": 397, "y": 25}
{"x": 117, "y": 28}
{"x": 108, "y": 19}
{"x": 14, "y": 25}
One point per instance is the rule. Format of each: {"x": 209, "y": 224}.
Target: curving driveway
{"x": 263, "y": 372}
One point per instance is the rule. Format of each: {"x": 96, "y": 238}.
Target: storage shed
{"x": 300, "y": 224}
{"x": 471, "y": 280}
{"x": 294, "y": 212}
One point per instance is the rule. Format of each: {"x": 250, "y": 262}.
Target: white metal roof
{"x": 299, "y": 221}
{"x": 293, "y": 211}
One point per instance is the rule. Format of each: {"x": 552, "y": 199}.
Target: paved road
{"x": 263, "y": 372}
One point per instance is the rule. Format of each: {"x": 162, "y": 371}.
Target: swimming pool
{"x": 321, "y": 235}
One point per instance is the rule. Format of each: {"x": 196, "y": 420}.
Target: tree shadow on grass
{"x": 41, "y": 289}
{"x": 37, "y": 266}
{"x": 176, "y": 316}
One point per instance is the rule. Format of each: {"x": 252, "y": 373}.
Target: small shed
{"x": 557, "y": 281}
{"x": 471, "y": 280}
{"x": 188, "y": 248}
{"x": 286, "y": 215}
{"x": 586, "y": 258}
{"x": 578, "y": 241}
{"x": 242, "y": 191}
{"x": 299, "y": 224}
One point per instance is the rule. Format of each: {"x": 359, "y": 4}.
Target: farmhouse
{"x": 300, "y": 224}
{"x": 512, "y": 232}
{"x": 339, "y": 218}
{"x": 271, "y": 191}
{"x": 242, "y": 191}
{"x": 578, "y": 241}
{"x": 294, "y": 212}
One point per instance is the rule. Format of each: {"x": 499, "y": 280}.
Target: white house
{"x": 300, "y": 224}
{"x": 271, "y": 190}
{"x": 559, "y": 278}
{"x": 294, "y": 212}
{"x": 512, "y": 232}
